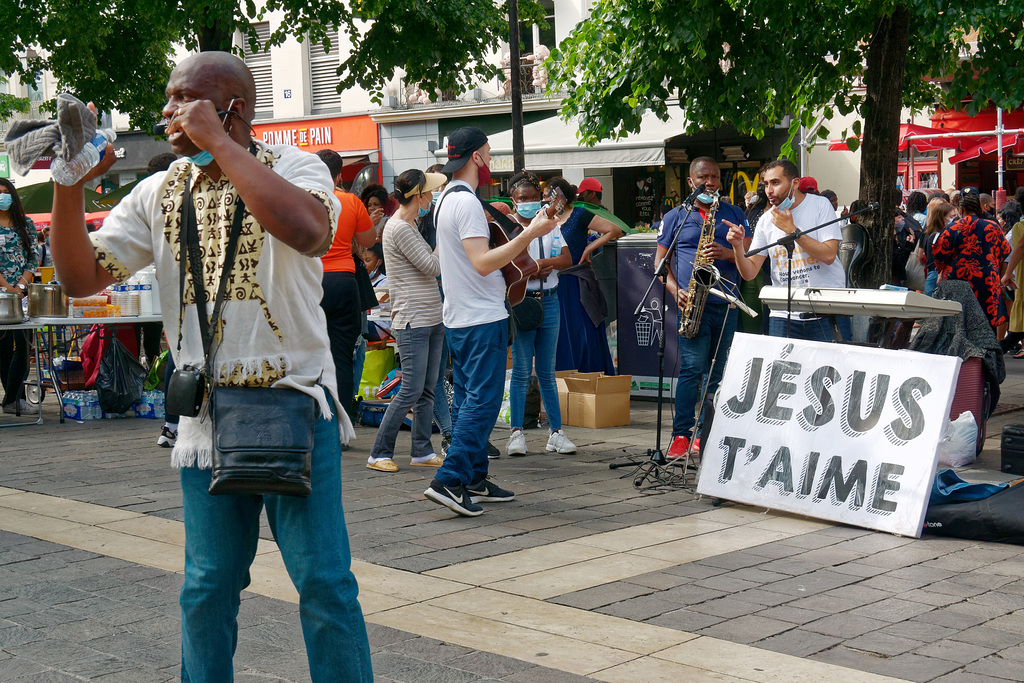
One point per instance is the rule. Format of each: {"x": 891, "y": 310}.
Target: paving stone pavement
{"x": 921, "y": 610}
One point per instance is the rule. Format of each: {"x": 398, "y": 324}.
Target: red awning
{"x": 988, "y": 145}
{"x": 908, "y": 129}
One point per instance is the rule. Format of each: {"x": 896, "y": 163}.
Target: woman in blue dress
{"x": 582, "y": 343}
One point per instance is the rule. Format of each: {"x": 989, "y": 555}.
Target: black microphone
{"x": 160, "y": 128}
{"x": 693, "y": 195}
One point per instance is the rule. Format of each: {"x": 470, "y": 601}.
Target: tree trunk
{"x": 879, "y": 157}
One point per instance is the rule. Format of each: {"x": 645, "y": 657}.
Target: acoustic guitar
{"x": 521, "y": 268}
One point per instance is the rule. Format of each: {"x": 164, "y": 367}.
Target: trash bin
{"x": 639, "y": 333}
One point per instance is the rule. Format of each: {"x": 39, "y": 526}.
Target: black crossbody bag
{"x": 262, "y": 437}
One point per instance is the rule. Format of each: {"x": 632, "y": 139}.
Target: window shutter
{"x": 259, "y": 65}
{"x": 323, "y": 77}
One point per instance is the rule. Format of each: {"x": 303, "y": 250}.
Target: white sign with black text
{"x": 838, "y": 432}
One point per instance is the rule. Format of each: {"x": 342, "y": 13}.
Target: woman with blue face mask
{"x": 536, "y": 348}
{"x": 415, "y": 322}
{"x": 18, "y": 262}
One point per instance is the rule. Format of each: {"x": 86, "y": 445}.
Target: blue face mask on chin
{"x": 202, "y": 159}
{"x": 6, "y": 200}
{"x": 423, "y": 212}
{"x": 528, "y": 209}
{"x": 705, "y": 198}
{"x": 787, "y": 203}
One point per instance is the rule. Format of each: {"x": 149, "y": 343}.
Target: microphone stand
{"x": 656, "y": 457}
{"x": 789, "y": 242}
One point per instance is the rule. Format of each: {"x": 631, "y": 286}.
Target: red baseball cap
{"x": 808, "y": 184}
{"x": 591, "y": 184}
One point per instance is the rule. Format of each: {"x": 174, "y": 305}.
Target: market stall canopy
{"x": 551, "y": 144}
{"x": 987, "y": 146}
{"x": 93, "y": 219}
{"x": 922, "y": 145}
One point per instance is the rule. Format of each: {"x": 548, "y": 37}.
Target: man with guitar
{"x": 476, "y": 321}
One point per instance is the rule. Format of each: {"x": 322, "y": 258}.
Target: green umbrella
{"x": 37, "y": 198}
{"x": 105, "y": 202}
{"x": 607, "y": 215}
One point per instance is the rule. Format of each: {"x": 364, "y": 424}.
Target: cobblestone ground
{"x": 872, "y": 603}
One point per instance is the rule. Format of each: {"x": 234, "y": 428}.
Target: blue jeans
{"x": 695, "y": 358}
{"x": 478, "y": 373}
{"x": 442, "y": 413}
{"x": 810, "y": 330}
{"x": 536, "y": 348}
{"x": 420, "y": 351}
{"x": 221, "y": 533}
{"x": 931, "y": 281}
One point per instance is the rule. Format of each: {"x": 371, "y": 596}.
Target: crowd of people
{"x": 316, "y": 258}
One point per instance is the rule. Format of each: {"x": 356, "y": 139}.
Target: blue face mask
{"x": 5, "y": 201}
{"x": 528, "y": 209}
{"x": 436, "y": 196}
{"x": 705, "y": 198}
{"x": 787, "y": 203}
{"x": 423, "y": 212}
{"x": 201, "y": 159}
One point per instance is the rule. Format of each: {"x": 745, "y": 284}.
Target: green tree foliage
{"x": 749, "y": 63}
{"x": 118, "y": 52}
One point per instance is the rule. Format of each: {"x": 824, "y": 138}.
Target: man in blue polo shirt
{"x": 703, "y": 353}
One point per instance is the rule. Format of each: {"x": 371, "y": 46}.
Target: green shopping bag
{"x": 155, "y": 376}
{"x": 378, "y": 363}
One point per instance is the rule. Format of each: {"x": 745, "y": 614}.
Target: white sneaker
{"x": 516, "y": 443}
{"x": 25, "y": 407}
{"x": 559, "y": 442}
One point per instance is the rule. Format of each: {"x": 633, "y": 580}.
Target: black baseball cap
{"x": 462, "y": 142}
{"x": 968, "y": 191}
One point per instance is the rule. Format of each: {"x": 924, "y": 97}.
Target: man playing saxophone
{"x": 712, "y": 329}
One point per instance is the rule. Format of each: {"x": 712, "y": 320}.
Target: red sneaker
{"x": 696, "y": 446}
{"x": 680, "y": 444}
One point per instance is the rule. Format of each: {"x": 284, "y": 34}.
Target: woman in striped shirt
{"x": 415, "y": 322}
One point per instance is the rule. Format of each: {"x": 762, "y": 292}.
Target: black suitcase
{"x": 1012, "y": 449}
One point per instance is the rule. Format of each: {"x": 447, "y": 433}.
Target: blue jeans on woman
{"x": 420, "y": 351}
{"x": 478, "y": 373}
{"x": 536, "y": 348}
{"x": 931, "y": 282}
{"x": 221, "y": 533}
{"x": 442, "y": 411}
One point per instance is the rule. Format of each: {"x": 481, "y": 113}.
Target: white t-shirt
{"x": 807, "y": 270}
{"x": 548, "y": 246}
{"x": 274, "y": 330}
{"x": 469, "y": 298}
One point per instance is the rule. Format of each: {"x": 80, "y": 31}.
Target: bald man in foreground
{"x": 272, "y": 334}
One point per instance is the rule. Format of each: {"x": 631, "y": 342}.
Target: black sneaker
{"x": 492, "y": 452}
{"x": 167, "y": 438}
{"x": 455, "y": 498}
{"x": 486, "y": 491}
{"x": 446, "y": 442}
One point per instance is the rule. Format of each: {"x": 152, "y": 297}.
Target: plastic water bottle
{"x": 70, "y": 172}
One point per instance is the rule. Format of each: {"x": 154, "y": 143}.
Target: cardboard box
{"x": 595, "y": 400}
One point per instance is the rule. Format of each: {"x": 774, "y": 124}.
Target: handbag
{"x": 262, "y": 437}
{"x": 262, "y": 443}
{"x": 528, "y": 314}
{"x": 915, "y": 270}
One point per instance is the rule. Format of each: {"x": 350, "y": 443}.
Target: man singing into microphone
{"x": 703, "y": 353}
{"x": 814, "y": 256}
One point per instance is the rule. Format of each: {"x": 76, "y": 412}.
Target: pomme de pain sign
{"x": 843, "y": 433}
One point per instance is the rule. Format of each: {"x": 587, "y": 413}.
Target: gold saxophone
{"x": 705, "y": 275}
